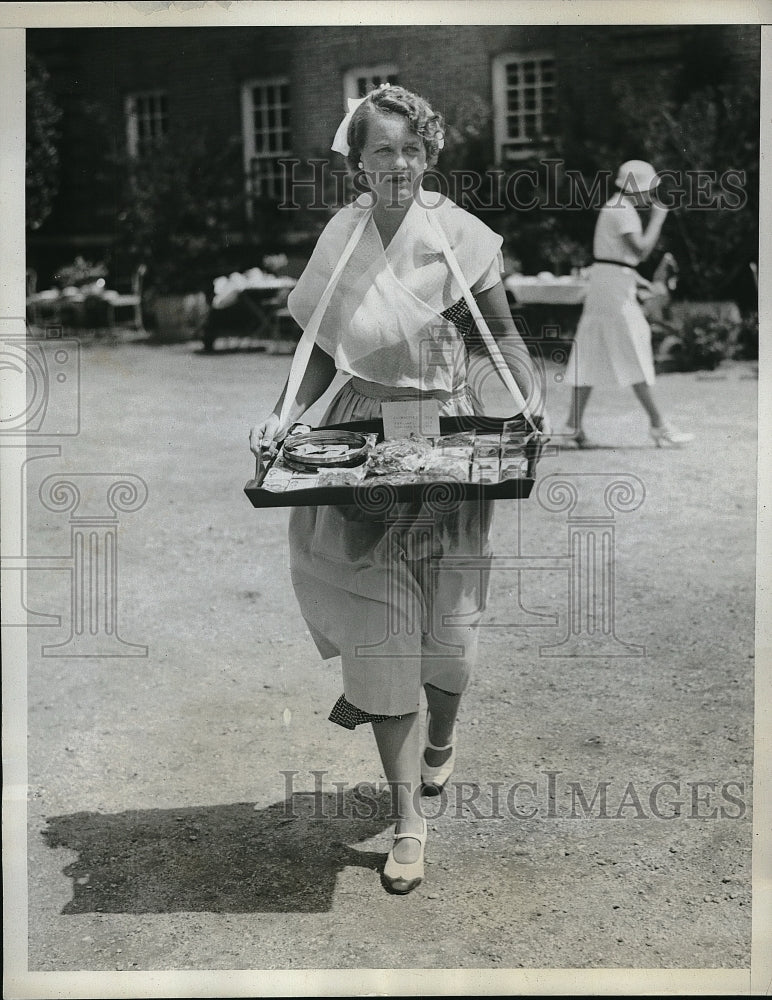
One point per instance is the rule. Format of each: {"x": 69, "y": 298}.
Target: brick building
{"x": 279, "y": 92}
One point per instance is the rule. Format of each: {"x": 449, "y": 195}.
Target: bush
{"x": 700, "y": 340}
{"x": 181, "y": 207}
{"x": 747, "y": 348}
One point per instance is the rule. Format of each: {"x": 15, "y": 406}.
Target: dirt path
{"x": 161, "y": 833}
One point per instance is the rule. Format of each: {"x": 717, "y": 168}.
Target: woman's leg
{"x": 443, "y": 709}
{"x": 579, "y": 400}
{"x": 646, "y": 398}
{"x": 398, "y": 741}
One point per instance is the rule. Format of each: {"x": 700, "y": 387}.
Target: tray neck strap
{"x": 493, "y": 348}
{"x": 308, "y": 339}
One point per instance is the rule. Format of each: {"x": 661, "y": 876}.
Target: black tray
{"x": 377, "y": 498}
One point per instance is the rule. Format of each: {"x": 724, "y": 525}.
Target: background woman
{"x": 612, "y": 345}
{"x": 386, "y": 309}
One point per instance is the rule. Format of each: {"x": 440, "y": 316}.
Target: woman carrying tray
{"x": 384, "y": 296}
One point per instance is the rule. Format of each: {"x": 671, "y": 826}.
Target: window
{"x": 523, "y": 104}
{"x": 265, "y": 110}
{"x": 360, "y": 81}
{"x": 147, "y": 121}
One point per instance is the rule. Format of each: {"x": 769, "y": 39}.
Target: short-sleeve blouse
{"x": 617, "y": 218}
{"x": 384, "y": 315}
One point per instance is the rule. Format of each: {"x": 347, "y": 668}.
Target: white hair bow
{"x": 340, "y": 142}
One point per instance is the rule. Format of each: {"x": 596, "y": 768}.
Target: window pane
{"x": 528, "y": 95}
{"x": 272, "y": 135}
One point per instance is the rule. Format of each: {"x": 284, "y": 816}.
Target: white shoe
{"x": 666, "y": 435}
{"x": 403, "y": 878}
{"x": 573, "y": 437}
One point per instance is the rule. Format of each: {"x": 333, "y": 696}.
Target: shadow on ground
{"x": 221, "y": 859}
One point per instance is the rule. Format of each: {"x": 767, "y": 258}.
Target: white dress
{"x": 612, "y": 344}
{"x": 393, "y": 598}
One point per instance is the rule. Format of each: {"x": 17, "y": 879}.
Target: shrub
{"x": 747, "y": 347}
{"x": 181, "y": 207}
{"x": 700, "y": 341}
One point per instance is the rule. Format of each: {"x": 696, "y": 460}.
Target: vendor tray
{"x": 370, "y": 493}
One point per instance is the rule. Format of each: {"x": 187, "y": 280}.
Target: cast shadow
{"x": 220, "y": 859}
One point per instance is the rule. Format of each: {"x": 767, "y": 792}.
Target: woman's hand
{"x": 546, "y": 424}
{"x": 266, "y": 437}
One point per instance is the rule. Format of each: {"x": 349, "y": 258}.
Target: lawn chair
{"x": 116, "y": 301}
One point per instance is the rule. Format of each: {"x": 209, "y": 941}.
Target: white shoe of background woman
{"x": 574, "y": 437}
{"x": 666, "y": 435}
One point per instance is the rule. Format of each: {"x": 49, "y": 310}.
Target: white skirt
{"x": 612, "y": 345}
{"x": 400, "y": 608}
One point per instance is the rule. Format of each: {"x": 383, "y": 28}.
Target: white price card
{"x": 411, "y": 416}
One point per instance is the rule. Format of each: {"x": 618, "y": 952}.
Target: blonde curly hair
{"x": 394, "y": 100}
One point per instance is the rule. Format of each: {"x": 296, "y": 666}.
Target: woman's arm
{"x": 317, "y": 379}
{"x": 643, "y": 243}
{"x": 494, "y": 306}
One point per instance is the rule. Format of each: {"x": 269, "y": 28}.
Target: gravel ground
{"x": 166, "y": 831}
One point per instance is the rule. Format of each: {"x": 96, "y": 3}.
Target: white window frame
{"x": 248, "y": 131}
{"x": 132, "y": 118}
{"x": 508, "y": 147}
{"x": 352, "y": 77}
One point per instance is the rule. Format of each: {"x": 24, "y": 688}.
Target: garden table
{"x": 251, "y": 307}
{"x": 535, "y": 290}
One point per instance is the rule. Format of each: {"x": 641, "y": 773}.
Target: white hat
{"x": 635, "y": 176}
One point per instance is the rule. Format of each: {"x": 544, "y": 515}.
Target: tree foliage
{"x": 43, "y": 117}
{"x": 713, "y": 135}
{"x": 180, "y": 210}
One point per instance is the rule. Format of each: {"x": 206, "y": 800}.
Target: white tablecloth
{"x": 228, "y": 288}
{"x": 530, "y": 290}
